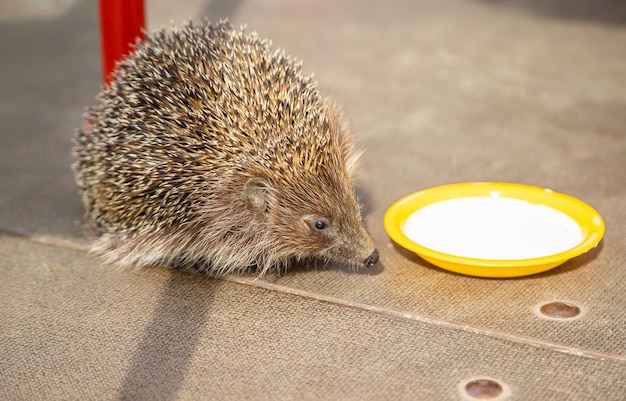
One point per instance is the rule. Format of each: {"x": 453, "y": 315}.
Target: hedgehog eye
{"x": 320, "y": 225}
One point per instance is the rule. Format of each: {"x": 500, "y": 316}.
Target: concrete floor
{"x": 437, "y": 92}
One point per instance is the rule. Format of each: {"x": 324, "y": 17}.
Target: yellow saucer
{"x": 590, "y": 222}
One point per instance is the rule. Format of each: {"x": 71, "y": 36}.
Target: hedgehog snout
{"x": 372, "y": 259}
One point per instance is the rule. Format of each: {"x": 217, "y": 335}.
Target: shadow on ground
{"x": 604, "y": 11}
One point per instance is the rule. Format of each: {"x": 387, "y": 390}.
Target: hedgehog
{"x": 210, "y": 149}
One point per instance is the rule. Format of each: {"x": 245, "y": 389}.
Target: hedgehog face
{"x": 322, "y": 220}
{"x": 342, "y": 238}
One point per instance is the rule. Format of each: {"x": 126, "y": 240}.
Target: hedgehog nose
{"x": 372, "y": 259}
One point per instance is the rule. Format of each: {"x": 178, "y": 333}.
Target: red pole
{"x": 121, "y": 23}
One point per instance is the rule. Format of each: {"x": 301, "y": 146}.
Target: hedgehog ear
{"x": 257, "y": 192}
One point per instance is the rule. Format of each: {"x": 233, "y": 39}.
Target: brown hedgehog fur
{"x": 210, "y": 149}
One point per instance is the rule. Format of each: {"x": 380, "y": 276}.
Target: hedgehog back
{"x": 190, "y": 108}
